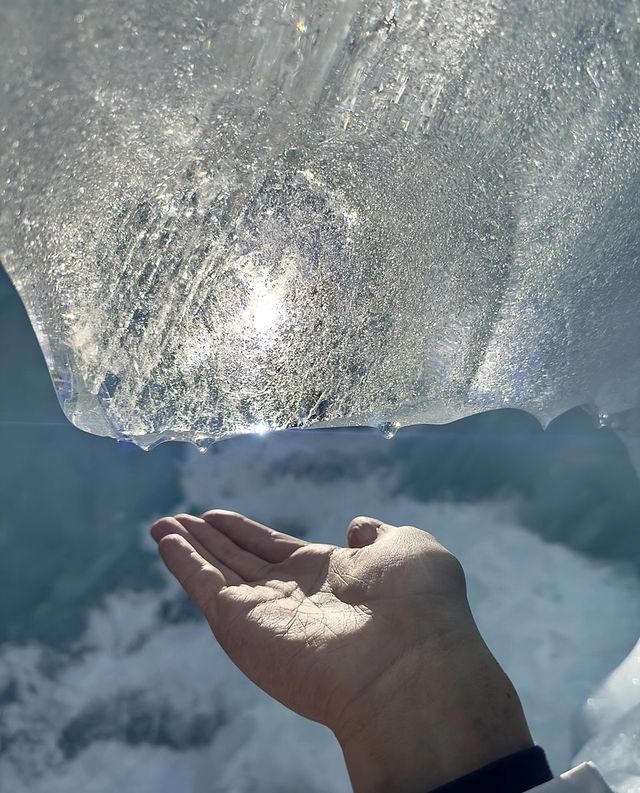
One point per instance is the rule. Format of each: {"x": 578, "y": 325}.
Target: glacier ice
{"x": 229, "y": 215}
{"x": 610, "y": 722}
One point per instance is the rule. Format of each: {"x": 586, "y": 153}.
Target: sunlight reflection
{"x": 259, "y": 429}
{"x": 264, "y": 309}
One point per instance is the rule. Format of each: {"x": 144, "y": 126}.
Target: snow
{"x": 147, "y": 702}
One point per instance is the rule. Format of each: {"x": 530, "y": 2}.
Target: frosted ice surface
{"x": 616, "y": 752}
{"x": 230, "y": 215}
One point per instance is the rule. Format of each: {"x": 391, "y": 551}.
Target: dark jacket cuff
{"x": 514, "y": 774}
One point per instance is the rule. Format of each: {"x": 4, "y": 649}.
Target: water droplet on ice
{"x": 389, "y": 428}
{"x": 604, "y": 420}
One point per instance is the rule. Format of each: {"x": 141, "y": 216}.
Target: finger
{"x": 363, "y": 531}
{"x": 270, "y": 545}
{"x": 247, "y": 565}
{"x": 169, "y": 526}
{"x": 200, "y": 580}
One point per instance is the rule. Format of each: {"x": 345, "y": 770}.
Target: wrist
{"x": 431, "y": 719}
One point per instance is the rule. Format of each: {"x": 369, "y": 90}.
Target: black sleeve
{"x": 514, "y": 774}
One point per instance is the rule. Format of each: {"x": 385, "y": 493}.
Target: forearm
{"x": 406, "y": 742}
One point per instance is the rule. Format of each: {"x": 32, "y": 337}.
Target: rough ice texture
{"x": 610, "y": 724}
{"x": 230, "y": 215}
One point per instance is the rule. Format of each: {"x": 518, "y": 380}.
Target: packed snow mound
{"x": 224, "y": 216}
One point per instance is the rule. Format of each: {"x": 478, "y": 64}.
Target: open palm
{"x": 315, "y": 625}
{"x": 375, "y": 640}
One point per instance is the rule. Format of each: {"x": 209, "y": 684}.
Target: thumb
{"x": 364, "y": 531}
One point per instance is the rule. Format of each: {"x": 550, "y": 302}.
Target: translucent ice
{"x": 610, "y": 720}
{"x": 234, "y": 215}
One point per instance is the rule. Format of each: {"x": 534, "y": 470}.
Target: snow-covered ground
{"x": 146, "y": 702}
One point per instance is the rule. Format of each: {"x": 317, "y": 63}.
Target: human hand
{"x": 376, "y": 641}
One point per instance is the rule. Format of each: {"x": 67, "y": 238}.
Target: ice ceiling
{"x": 224, "y": 216}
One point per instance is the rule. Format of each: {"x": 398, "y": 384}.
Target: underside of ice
{"x": 224, "y": 216}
